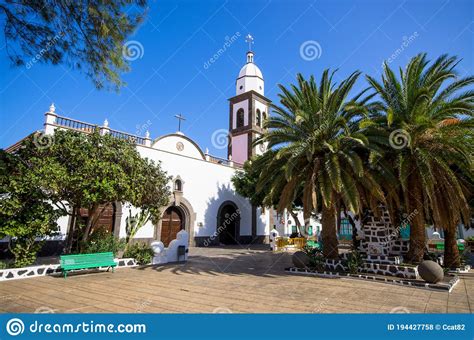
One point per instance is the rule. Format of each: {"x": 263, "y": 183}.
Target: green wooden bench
{"x": 87, "y": 261}
{"x": 440, "y": 247}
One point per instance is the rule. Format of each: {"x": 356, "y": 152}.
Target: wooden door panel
{"x": 171, "y": 224}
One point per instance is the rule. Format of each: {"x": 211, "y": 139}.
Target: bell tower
{"x": 248, "y": 110}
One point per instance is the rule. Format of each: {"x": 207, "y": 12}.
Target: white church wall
{"x": 171, "y": 143}
{"x": 147, "y": 231}
{"x": 206, "y": 186}
{"x": 263, "y": 222}
{"x": 63, "y": 222}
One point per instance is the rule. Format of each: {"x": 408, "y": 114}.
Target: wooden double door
{"x": 106, "y": 219}
{"x": 172, "y": 223}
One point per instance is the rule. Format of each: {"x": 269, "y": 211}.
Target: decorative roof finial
{"x": 52, "y": 108}
{"x": 249, "y": 40}
{"x": 207, "y": 151}
{"x": 106, "y": 123}
{"x": 147, "y": 134}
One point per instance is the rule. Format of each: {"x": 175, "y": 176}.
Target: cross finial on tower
{"x": 180, "y": 118}
{"x": 249, "y": 40}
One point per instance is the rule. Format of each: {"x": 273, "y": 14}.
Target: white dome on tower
{"x": 250, "y": 69}
{"x": 250, "y": 77}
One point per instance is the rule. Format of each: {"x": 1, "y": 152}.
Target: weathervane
{"x": 249, "y": 40}
{"x": 180, "y": 118}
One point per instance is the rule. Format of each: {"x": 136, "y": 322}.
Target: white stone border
{"x": 367, "y": 277}
{"x": 51, "y": 269}
{"x": 462, "y": 270}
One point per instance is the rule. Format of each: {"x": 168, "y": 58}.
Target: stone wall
{"x": 376, "y": 268}
{"x": 399, "y": 247}
{"x": 381, "y": 238}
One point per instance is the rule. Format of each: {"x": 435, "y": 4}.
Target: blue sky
{"x": 178, "y": 38}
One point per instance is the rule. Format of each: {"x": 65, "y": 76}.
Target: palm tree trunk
{"x": 417, "y": 225}
{"x": 328, "y": 232}
{"x": 451, "y": 251}
{"x": 417, "y": 241}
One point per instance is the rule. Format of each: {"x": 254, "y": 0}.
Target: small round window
{"x": 241, "y": 87}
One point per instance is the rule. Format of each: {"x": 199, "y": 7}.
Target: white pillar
{"x": 50, "y": 120}
{"x": 231, "y": 163}
{"x": 206, "y": 156}
{"x": 103, "y": 130}
{"x": 147, "y": 139}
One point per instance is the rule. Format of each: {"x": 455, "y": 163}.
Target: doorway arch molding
{"x": 189, "y": 217}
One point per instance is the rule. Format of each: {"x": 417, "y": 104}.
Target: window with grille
{"x": 345, "y": 229}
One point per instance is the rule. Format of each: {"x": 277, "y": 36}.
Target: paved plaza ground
{"x": 222, "y": 280}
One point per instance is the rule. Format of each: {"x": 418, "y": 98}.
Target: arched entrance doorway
{"x": 172, "y": 222}
{"x": 188, "y": 218}
{"x": 228, "y": 223}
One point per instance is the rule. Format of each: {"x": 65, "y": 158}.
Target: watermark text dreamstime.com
{"x": 51, "y": 42}
{"x": 228, "y": 220}
{"x": 227, "y": 44}
{"x": 16, "y": 326}
{"x": 406, "y": 42}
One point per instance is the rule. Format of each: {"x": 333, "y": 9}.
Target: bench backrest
{"x": 78, "y": 261}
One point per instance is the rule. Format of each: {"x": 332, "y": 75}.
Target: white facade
{"x": 205, "y": 203}
{"x": 206, "y": 187}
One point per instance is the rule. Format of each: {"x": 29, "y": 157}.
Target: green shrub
{"x": 25, "y": 251}
{"x": 3, "y": 265}
{"x": 354, "y": 262}
{"x": 316, "y": 258}
{"x": 101, "y": 242}
{"x": 141, "y": 252}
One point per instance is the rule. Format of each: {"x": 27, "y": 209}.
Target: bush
{"x": 354, "y": 262}
{"x": 101, "y": 242}
{"x": 3, "y": 265}
{"x": 25, "y": 251}
{"x": 316, "y": 258}
{"x": 141, "y": 252}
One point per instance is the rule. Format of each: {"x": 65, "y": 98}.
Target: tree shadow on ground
{"x": 220, "y": 261}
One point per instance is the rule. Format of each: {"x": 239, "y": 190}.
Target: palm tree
{"x": 317, "y": 153}
{"x": 427, "y": 122}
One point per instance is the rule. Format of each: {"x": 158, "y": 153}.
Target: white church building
{"x": 203, "y": 202}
